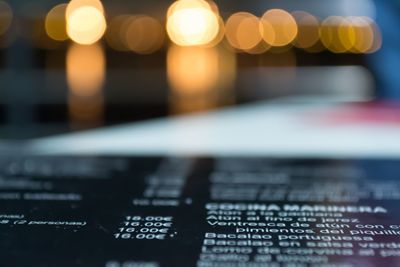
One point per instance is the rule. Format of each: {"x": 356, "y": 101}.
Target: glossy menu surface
{"x": 206, "y": 212}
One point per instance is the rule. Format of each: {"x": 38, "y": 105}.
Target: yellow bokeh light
{"x": 350, "y": 34}
{"x": 363, "y": 35}
{"x": 220, "y": 35}
{"x": 377, "y": 37}
{"x": 143, "y": 34}
{"x": 187, "y": 4}
{"x": 231, "y": 26}
{"x": 308, "y": 29}
{"x": 279, "y": 28}
{"x": 330, "y": 35}
{"x": 347, "y": 34}
{"x": 86, "y": 24}
{"x": 213, "y": 6}
{"x": 6, "y": 16}
{"x": 76, "y": 4}
{"x": 367, "y": 35}
{"x": 248, "y": 34}
{"x": 191, "y": 23}
{"x": 85, "y": 69}
{"x": 55, "y": 23}
{"x": 242, "y": 31}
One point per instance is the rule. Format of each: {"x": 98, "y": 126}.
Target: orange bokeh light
{"x": 192, "y": 23}
{"x": 86, "y": 23}
{"x": 242, "y": 31}
{"x": 55, "y": 23}
{"x": 279, "y": 28}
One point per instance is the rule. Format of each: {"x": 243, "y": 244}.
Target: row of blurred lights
{"x": 198, "y": 23}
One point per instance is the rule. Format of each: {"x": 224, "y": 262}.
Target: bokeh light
{"x": 190, "y": 78}
{"x": 279, "y": 28}
{"x": 363, "y": 35}
{"x": 330, "y": 35}
{"x": 85, "y": 75}
{"x": 347, "y": 34}
{"x": 220, "y": 35}
{"x": 85, "y": 69}
{"x": 143, "y": 34}
{"x": 204, "y": 85}
{"x": 377, "y": 37}
{"x": 308, "y": 30}
{"x": 138, "y": 33}
{"x": 76, "y": 4}
{"x": 55, "y": 23}
{"x": 86, "y": 23}
{"x": 6, "y": 16}
{"x": 192, "y": 23}
{"x": 367, "y": 35}
{"x": 350, "y": 34}
{"x": 116, "y": 31}
{"x": 187, "y": 4}
{"x": 242, "y": 31}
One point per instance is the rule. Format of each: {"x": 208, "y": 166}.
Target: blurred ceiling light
{"x": 86, "y": 23}
{"x": 55, "y": 23}
{"x": 85, "y": 69}
{"x": 143, "y": 34}
{"x": 308, "y": 29}
{"x": 242, "y": 31}
{"x": 6, "y": 16}
{"x": 330, "y": 36}
{"x": 279, "y": 28}
{"x": 192, "y": 23}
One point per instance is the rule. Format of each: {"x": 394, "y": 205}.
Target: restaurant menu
{"x": 199, "y": 211}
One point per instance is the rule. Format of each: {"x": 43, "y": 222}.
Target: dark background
{"x": 34, "y": 91}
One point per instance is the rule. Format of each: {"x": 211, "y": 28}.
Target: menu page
{"x": 204, "y": 212}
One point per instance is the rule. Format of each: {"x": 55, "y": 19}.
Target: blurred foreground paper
{"x": 302, "y": 130}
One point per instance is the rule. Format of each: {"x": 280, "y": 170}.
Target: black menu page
{"x": 205, "y": 212}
